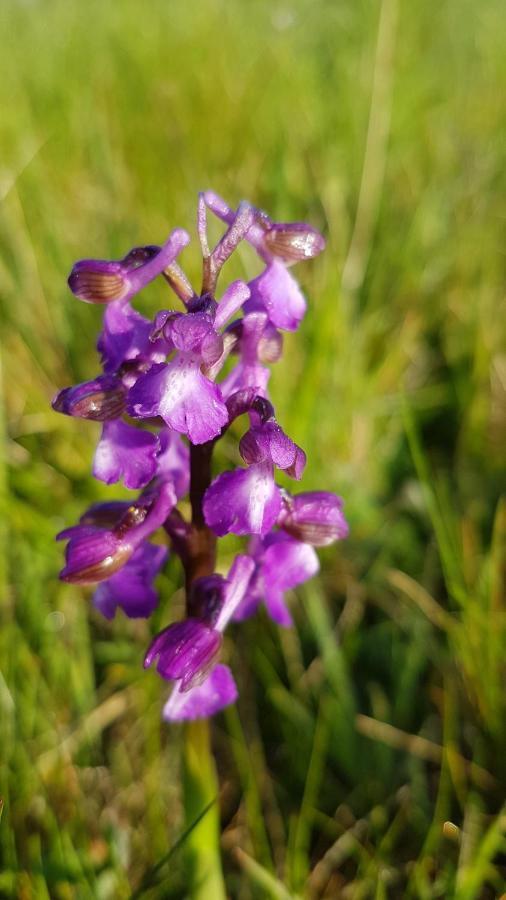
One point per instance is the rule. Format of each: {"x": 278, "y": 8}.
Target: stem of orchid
{"x": 200, "y": 788}
{"x": 200, "y": 783}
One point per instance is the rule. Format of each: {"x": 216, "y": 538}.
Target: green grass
{"x": 383, "y": 714}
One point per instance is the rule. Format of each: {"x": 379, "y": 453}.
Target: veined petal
{"x": 217, "y": 691}
{"x": 125, "y": 452}
{"x": 245, "y": 501}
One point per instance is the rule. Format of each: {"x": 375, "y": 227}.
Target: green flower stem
{"x": 200, "y": 787}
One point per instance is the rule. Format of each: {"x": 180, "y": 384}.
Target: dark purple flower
{"x": 244, "y": 501}
{"x": 100, "y": 400}
{"x": 206, "y": 699}
{"x": 127, "y": 453}
{"x": 94, "y": 553}
{"x": 316, "y": 517}
{"x": 247, "y": 501}
{"x": 278, "y": 244}
{"x": 282, "y": 564}
{"x": 103, "y": 281}
{"x": 131, "y": 588}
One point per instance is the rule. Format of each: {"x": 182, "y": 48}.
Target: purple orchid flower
{"x": 278, "y": 245}
{"x": 125, "y": 343}
{"x": 169, "y": 370}
{"x": 179, "y": 391}
{"x": 247, "y": 501}
{"x": 187, "y": 650}
{"x": 282, "y": 563}
{"x": 95, "y": 552}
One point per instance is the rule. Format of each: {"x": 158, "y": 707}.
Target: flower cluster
{"x": 168, "y": 391}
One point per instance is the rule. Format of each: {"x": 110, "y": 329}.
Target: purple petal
{"x": 141, "y": 276}
{"x": 125, "y": 337}
{"x": 286, "y": 563}
{"x": 125, "y": 452}
{"x": 173, "y": 461}
{"x": 98, "y": 281}
{"x": 245, "y": 501}
{"x": 246, "y": 375}
{"x": 276, "y": 291}
{"x": 188, "y": 332}
{"x": 269, "y": 442}
{"x": 216, "y": 692}
{"x": 238, "y": 580}
{"x": 184, "y": 398}
{"x": 131, "y": 588}
{"x": 236, "y": 294}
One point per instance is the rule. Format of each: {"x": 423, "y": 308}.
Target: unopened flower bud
{"x": 100, "y": 400}
{"x": 315, "y": 518}
{"x": 293, "y": 241}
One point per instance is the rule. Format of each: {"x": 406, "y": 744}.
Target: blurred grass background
{"x": 381, "y": 717}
